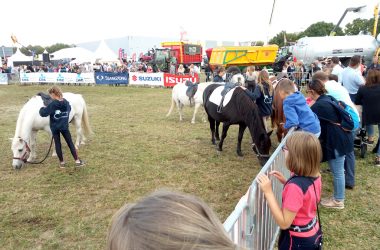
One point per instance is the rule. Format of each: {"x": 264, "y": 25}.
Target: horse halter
{"x": 258, "y": 154}
{"x": 24, "y": 157}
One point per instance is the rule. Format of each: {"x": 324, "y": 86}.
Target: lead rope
{"x": 51, "y": 143}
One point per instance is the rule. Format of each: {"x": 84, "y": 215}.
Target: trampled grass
{"x": 134, "y": 151}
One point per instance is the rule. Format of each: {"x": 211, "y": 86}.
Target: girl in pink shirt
{"x": 297, "y": 218}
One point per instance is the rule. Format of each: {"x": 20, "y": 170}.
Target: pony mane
{"x": 25, "y": 110}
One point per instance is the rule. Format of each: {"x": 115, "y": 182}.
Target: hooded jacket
{"x": 59, "y": 112}
{"x": 298, "y": 114}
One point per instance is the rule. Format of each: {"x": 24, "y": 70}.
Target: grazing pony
{"x": 29, "y": 122}
{"x": 239, "y": 109}
{"x": 181, "y": 99}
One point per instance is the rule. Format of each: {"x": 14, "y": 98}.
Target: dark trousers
{"x": 353, "y": 97}
{"x": 58, "y": 147}
{"x": 287, "y": 242}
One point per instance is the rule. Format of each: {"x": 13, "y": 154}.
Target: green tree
{"x": 58, "y": 46}
{"x": 361, "y": 25}
{"x": 28, "y": 50}
{"x": 259, "y": 43}
{"x": 321, "y": 29}
{"x": 279, "y": 39}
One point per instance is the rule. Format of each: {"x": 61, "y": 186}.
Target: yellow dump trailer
{"x": 243, "y": 56}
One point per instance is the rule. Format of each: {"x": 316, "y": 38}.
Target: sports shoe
{"x": 332, "y": 203}
{"x": 80, "y": 163}
{"x": 62, "y": 165}
{"x": 368, "y": 142}
{"x": 377, "y": 162}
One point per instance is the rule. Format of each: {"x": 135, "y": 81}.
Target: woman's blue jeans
{"x": 371, "y": 132}
{"x": 337, "y": 169}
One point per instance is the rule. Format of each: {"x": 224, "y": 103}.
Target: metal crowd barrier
{"x": 251, "y": 225}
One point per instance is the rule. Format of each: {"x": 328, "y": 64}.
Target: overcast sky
{"x": 46, "y": 22}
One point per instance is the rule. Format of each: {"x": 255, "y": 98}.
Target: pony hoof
{"x": 192, "y": 122}
{"x": 219, "y": 149}
{"x": 54, "y": 154}
{"x": 239, "y": 153}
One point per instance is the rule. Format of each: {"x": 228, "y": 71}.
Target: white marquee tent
{"x": 81, "y": 55}
{"x": 104, "y": 54}
{"x": 19, "y": 57}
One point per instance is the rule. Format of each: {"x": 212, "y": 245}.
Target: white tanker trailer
{"x": 309, "y": 49}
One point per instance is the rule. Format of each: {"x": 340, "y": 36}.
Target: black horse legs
{"x": 242, "y": 128}
{"x": 224, "y": 134}
{"x": 212, "y": 128}
{"x": 217, "y": 131}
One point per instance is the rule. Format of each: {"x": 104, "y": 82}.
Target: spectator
{"x": 375, "y": 63}
{"x": 207, "y": 71}
{"x": 300, "y": 195}
{"x": 263, "y": 96}
{"x": 172, "y": 69}
{"x": 220, "y": 74}
{"x": 251, "y": 78}
{"x": 369, "y": 97}
{"x": 149, "y": 69}
{"x": 335, "y": 142}
{"x": 167, "y": 220}
{"x": 297, "y": 113}
{"x": 181, "y": 70}
{"x": 299, "y": 73}
{"x": 336, "y": 68}
{"x": 351, "y": 78}
{"x": 337, "y": 91}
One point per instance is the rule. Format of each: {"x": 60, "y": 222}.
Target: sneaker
{"x": 368, "y": 142}
{"x": 62, "y": 164}
{"x": 377, "y": 162}
{"x": 332, "y": 203}
{"x": 80, "y": 163}
{"x": 349, "y": 187}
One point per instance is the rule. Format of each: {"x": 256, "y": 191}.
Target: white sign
{"x": 3, "y": 78}
{"x": 57, "y": 78}
{"x": 150, "y": 79}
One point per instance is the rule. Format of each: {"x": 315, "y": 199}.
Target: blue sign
{"x": 111, "y": 78}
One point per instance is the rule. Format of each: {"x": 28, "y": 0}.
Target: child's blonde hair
{"x": 264, "y": 79}
{"x": 304, "y": 153}
{"x": 56, "y": 91}
{"x": 167, "y": 220}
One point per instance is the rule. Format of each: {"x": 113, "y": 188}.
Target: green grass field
{"x": 134, "y": 151}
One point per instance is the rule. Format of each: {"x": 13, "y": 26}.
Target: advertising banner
{"x": 150, "y": 79}
{"x": 3, "y": 79}
{"x": 111, "y": 78}
{"x": 171, "y": 80}
{"x": 42, "y": 77}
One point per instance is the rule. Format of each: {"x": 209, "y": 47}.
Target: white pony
{"x": 29, "y": 122}
{"x": 180, "y": 99}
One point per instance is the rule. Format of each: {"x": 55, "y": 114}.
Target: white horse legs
{"x": 80, "y": 136}
{"x": 32, "y": 144}
{"x": 197, "y": 105}
{"x": 180, "y": 107}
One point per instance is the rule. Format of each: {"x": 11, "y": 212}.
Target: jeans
{"x": 58, "y": 147}
{"x": 337, "y": 169}
{"x": 349, "y": 166}
{"x": 371, "y": 129}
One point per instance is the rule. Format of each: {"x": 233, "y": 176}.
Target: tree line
{"x": 37, "y": 49}
{"x": 323, "y": 29}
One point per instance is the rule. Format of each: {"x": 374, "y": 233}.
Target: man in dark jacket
{"x": 220, "y": 74}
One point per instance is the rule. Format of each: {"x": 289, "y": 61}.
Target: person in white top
{"x": 337, "y": 69}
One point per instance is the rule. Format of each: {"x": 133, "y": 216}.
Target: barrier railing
{"x": 251, "y": 224}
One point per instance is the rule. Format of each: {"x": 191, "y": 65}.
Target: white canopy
{"x": 19, "y": 57}
{"x": 104, "y": 54}
{"x": 78, "y": 53}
